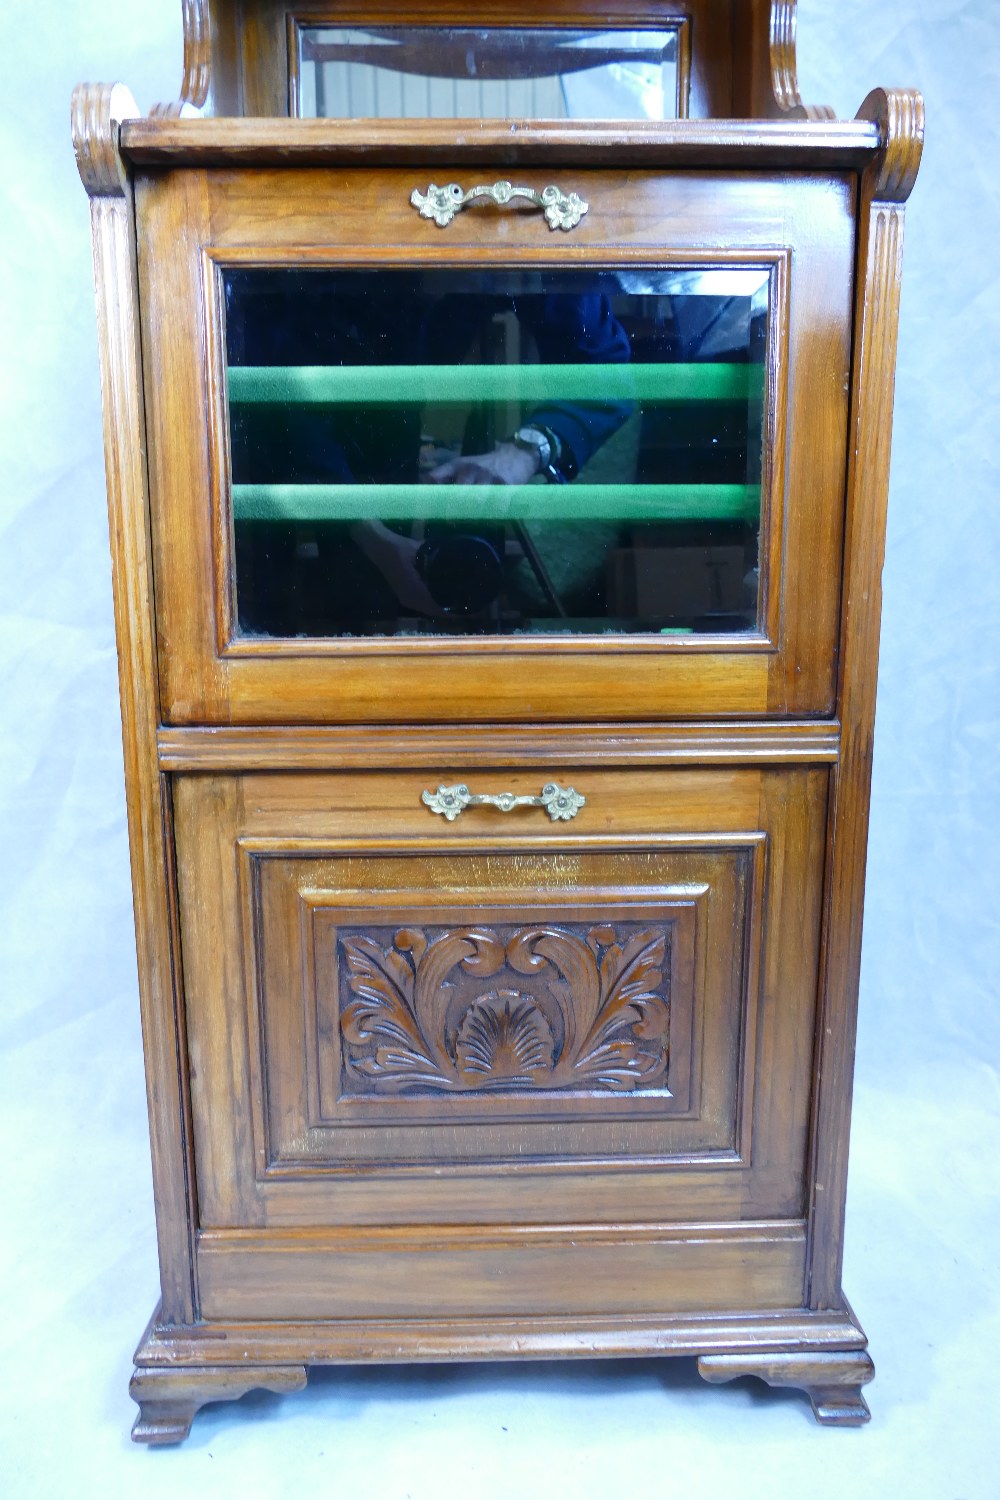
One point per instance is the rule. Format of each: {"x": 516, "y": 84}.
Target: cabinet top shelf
{"x": 748, "y": 144}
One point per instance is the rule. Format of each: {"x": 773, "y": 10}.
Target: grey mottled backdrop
{"x": 77, "y": 1265}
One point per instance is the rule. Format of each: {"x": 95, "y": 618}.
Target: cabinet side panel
{"x": 880, "y": 270}
{"x": 149, "y": 821}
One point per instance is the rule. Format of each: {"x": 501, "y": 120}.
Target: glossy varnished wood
{"x": 311, "y": 1207}
{"x": 97, "y": 111}
{"x": 168, "y": 1400}
{"x": 275, "y": 217}
{"x": 734, "y": 59}
{"x": 258, "y": 852}
{"x": 197, "y": 78}
{"x": 628, "y": 1269}
{"x": 886, "y": 188}
{"x": 831, "y": 146}
{"x": 365, "y": 747}
{"x": 831, "y": 1380}
{"x": 357, "y": 1340}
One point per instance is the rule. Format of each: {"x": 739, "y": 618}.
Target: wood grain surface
{"x": 499, "y": 1087}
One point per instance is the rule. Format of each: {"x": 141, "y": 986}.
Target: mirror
{"x": 423, "y": 72}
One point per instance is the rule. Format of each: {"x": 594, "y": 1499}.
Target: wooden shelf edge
{"x": 231, "y": 142}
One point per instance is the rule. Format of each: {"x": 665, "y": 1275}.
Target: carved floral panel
{"x": 548, "y": 1007}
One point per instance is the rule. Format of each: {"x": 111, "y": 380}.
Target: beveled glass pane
{"x": 495, "y": 451}
{"x": 424, "y": 72}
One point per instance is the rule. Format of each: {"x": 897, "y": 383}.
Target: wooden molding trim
{"x": 372, "y": 747}
{"x": 422, "y": 1239}
{"x": 899, "y": 115}
{"x": 849, "y": 145}
{"x": 96, "y": 112}
{"x": 96, "y": 109}
{"x": 360, "y": 1341}
{"x": 832, "y": 1380}
{"x": 197, "y": 78}
{"x": 784, "y": 65}
{"x": 169, "y": 1400}
{"x": 880, "y": 257}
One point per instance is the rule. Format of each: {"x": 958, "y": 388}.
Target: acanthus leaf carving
{"x": 382, "y": 1011}
{"x": 546, "y": 1007}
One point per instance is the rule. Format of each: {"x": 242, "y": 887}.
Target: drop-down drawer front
{"x": 340, "y": 398}
{"x": 502, "y": 1062}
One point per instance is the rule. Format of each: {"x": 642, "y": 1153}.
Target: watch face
{"x": 530, "y": 437}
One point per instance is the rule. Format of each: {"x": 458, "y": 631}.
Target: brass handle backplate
{"x": 562, "y": 210}
{"x": 560, "y": 802}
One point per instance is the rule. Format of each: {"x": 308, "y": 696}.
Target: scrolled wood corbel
{"x": 784, "y": 65}
{"x": 197, "y": 78}
{"x": 899, "y": 115}
{"x": 96, "y": 112}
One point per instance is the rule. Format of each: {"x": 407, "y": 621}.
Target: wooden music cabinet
{"x": 497, "y": 418}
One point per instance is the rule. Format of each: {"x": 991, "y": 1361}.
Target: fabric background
{"x": 77, "y": 1262}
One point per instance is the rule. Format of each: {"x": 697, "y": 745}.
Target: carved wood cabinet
{"x": 497, "y": 417}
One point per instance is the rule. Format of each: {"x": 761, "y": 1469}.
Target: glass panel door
{"x": 487, "y": 452}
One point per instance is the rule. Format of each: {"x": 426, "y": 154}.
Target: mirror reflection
{"x": 495, "y": 451}
{"x": 439, "y": 73}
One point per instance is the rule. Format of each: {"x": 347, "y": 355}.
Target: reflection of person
{"x": 391, "y": 320}
{"x": 558, "y": 437}
{"x": 364, "y": 319}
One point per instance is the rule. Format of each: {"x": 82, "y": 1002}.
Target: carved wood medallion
{"x": 512, "y": 1007}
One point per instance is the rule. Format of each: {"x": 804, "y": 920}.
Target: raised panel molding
{"x": 284, "y": 866}
{"x": 550, "y": 954}
{"x": 443, "y": 1010}
{"x": 434, "y": 1008}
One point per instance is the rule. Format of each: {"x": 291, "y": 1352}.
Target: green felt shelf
{"x": 385, "y": 385}
{"x": 496, "y": 502}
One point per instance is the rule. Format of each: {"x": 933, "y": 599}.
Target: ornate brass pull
{"x": 560, "y": 802}
{"x": 562, "y": 210}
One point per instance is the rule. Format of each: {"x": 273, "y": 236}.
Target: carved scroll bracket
{"x": 168, "y": 1400}
{"x": 96, "y": 113}
{"x": 197, "y": 78}
{"x": 831, "y": 1379}
{"x": 784, "y": 65}
{"x": 899, "y": 115}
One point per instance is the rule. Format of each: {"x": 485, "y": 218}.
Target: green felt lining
{"x": 496, "y": 502}
{"x": 328, "y": 385}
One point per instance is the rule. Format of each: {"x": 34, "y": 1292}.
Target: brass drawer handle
{"x": 561, "y": 803}
{"x": 562, "y": 210}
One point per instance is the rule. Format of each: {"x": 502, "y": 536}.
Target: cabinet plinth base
{"x": 168, "y": 1400}
{"x": 179, "y": 1369}
{"x": 831, "y": 1380}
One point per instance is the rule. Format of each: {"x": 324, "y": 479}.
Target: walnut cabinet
{"x": 497, "y": 511}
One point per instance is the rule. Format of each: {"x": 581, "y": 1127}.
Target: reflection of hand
{"x": 507, "y": 464}
{"x": 395, "y": 557}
